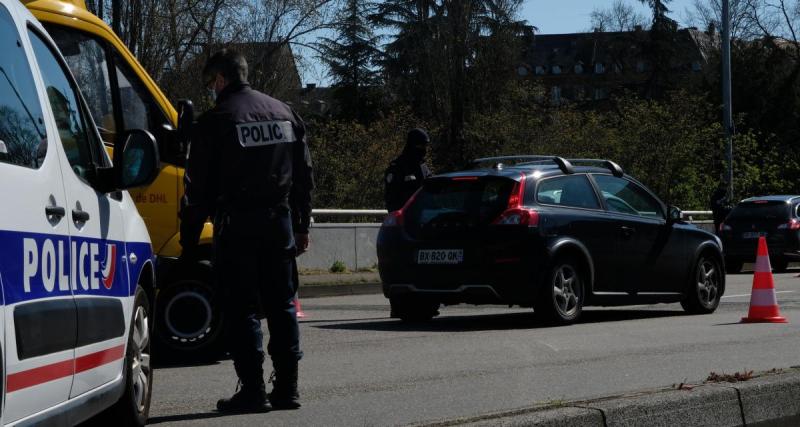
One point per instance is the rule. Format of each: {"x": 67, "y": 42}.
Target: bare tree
{"x": 707, "y": 14}
{"x": 620, "y": 16}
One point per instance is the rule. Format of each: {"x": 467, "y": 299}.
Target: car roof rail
{"x": 561, "y": 162}
{"x": 615, "y": 169}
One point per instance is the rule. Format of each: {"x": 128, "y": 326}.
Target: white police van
{"x": 76, "y": 265}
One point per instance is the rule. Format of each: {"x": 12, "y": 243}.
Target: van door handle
{"x": 57, "y": 212}
{"x": 80, "y": 216}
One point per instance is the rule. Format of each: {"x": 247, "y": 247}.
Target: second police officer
{"x": 249, "y": 168}
{"x": 406, "y": 173}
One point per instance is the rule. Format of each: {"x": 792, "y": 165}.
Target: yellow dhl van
{"x": 122, "y": 96}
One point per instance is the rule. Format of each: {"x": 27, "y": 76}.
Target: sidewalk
{"x": 339, "y": 284}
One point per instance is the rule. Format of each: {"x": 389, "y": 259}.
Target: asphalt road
{"x": 363, "y": 369}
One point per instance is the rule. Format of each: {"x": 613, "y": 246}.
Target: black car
{"x": 775, "y": 217}
{"x": 548, "y": 233}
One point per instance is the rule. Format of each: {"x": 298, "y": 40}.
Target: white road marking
{"x": 747, "y": 295}
{"x": 550, "y": 346}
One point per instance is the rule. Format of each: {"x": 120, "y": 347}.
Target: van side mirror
{"x": 139, "y": 162}
{"x": 675, "y": 215}
{"x": 185, "y": 122}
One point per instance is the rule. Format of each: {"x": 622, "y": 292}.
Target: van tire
{"x": 132, "y": 409}
{"x": 189, "y": 318}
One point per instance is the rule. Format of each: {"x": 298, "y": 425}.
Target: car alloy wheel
{"x": 140, "y": 363}
{"x": 708, "y": 282}
{"x": 566, "y": 291}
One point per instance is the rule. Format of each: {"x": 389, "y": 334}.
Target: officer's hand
{"x": 302, "y": 242}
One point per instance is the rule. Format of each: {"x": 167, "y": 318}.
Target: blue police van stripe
{"x": 37, "y": 266}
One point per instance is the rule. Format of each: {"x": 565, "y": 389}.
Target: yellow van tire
{"x": 189, "y": 317}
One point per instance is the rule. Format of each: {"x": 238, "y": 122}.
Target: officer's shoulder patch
{"x": 259, "y": 134}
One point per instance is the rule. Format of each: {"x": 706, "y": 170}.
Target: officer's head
{"x": 417, "y": 143}
{"x": 224, "y": 67}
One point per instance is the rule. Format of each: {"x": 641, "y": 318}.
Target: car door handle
{"x": 80, "y": 216}
{"x": 56, "y": 212}
{"x": 627, "y": 231}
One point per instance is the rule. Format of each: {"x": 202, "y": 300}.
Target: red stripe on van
{"x": 55, "y": 371}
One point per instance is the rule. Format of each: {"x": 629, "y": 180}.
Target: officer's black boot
{"x": 284, "y": 387}
{"x": 248, "y": 399}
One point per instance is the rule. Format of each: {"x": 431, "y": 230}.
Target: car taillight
{"x": 394, "y": 219}
{"x": 516, "y": 214}
{"x": 791, "y": 225}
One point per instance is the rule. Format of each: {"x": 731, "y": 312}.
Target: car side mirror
{"x": 675, "y": 215}
{"x": 138, "y": 163}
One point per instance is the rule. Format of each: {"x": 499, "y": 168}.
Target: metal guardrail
{"x": 382, "y": 212}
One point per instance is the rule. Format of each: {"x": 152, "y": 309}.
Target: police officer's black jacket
{"x": 404, "y": 176}
{"x": 247, "y": 153}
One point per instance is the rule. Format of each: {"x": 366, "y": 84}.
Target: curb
{"x": 771, "y": 399}
{"x": 338, "y": 289}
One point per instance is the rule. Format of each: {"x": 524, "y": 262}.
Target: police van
{"x": 76, "y": 264}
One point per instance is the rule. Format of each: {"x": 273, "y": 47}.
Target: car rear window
{"x": 471, "y": 201}
{"x": 761, "y": 210}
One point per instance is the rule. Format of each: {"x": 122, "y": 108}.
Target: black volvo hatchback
{"x": 548, "y": 233}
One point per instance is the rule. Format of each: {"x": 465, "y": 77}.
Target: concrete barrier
{"x": 354, "y": 245}
{"x": 351, "y": 244}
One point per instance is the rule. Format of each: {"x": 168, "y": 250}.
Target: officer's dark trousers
{"x": 254, "y": 263}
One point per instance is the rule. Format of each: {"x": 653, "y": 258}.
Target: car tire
{"x": 780, "y": 265}
{"x": 733, "y": 266}
{"x": 190, "y": 322}
{"x": 132, "y": 409}
{"x": 561, "y": 294}
{"x": 413, "y": 309}
{"x": 706, "y": 285}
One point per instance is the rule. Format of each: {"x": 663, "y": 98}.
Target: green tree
{"x": 352, "y": 60}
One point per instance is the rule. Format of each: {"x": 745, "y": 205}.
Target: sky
{"x": 550, "y": 16}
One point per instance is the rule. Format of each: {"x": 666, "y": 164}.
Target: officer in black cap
{"x": 406, "y": 173}
{"x": 248, "y": 167}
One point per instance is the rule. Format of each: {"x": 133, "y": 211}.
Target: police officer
{"x": 248, "y": 167}
{"x": 407, "y": 172}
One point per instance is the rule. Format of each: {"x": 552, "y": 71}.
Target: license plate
{"x": 753, "y": 234}
{"x": 440, "y": 256}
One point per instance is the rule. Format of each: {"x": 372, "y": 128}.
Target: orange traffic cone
{"x": 300, "y": 313}
{"x": 763, "y": 303}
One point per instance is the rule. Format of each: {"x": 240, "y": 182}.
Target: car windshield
{"x": 474, "y": 201}
{"x": 761, "y": 210}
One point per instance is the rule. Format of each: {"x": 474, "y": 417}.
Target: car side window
{"x": 80, "y": 143}
{"x": 86, "y": 58}
{"x": 571, "y": 190}
{"x": 23, "y": 138}
{"x": 624, "y": 196}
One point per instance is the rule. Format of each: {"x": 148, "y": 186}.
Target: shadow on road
{"x": 488, "y": 322}
{"x": 185, "y": 417}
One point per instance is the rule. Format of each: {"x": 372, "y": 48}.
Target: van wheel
{"x": 561, "y": 295}
{"x": 134, "y": 405}
{"x": 413, "y": 309}
{"x": 705, "y": 287}
{"x": 189, "y": 317}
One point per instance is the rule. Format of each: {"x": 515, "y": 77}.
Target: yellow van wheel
{"x": 189, "y": 318}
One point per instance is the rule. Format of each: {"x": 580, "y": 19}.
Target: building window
{"x": 555, "y": 93}
{"x": 539, "y": 70}
{"x": 600, "y": 93}
{"x": 522, "y": 71}
{"x": 617, "y": 68}
{"x": 641, "y": 67}
{"x": 599, "y": 68}
{"x": 696, "y": 66}
{"x": 556, "y": 69}
{"x": 578, "y": 68}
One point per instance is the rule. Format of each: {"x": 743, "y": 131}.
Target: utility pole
{"x": 727, "y": 115}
